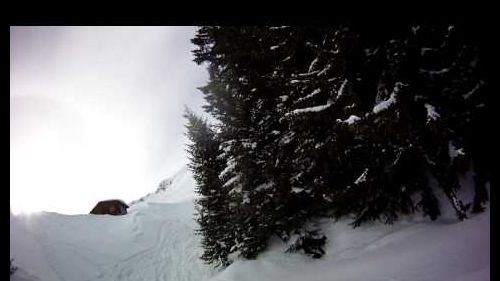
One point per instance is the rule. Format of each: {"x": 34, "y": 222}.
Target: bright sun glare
{"x": 96, "y": 113}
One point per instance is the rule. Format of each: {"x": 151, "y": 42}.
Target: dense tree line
{"x": 333, "y": 121}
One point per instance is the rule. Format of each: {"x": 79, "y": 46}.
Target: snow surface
{"x": 156, "y": 241}
{"x": 408, "y": 250}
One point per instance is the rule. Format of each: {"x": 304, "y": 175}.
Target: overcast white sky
{"x": 96, "y": 113}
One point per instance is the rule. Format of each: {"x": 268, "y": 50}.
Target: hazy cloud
{"x": 99, "y": 109}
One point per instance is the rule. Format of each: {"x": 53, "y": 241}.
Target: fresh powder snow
{"x": 156, "y": 241}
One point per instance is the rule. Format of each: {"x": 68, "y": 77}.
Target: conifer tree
{"x": 342, "y": 120}
{"x": 213, "y": 215}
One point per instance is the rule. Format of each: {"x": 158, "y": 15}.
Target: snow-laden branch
{"x": 351, "y": 120}
{"x": 341, "y": 90}
{"x": 471, "y": 92}
{"x": 384, "y": 105}
{"x": 362, "y": 178}
{"x": 318, "y": 108}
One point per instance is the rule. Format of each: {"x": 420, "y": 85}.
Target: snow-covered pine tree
{"x": 230, "y": 101}
{"x": 342, "y": 120}
{"x": 312, "y": 88}
{"x": 213, "y": 215}
{"x": 412, "y": 125}
{"x": 449, "y": 75}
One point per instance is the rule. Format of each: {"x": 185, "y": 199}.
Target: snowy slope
{"x": 178, "y": 188}
{"x": 405, "y": 251}
{"x": 156, "y": 241}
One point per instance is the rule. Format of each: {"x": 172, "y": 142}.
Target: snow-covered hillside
{"x": 156, "y": 241}
{"x": 179, "y": 188}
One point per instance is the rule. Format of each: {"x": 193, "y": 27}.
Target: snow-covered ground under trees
{"x": 156, "y": 241}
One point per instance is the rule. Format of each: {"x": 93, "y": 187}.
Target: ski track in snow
{"x": 154, "y": 241}
{"x": 158, "y": 261}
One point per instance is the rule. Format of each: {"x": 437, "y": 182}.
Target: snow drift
{"x": 156, "y": 241}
